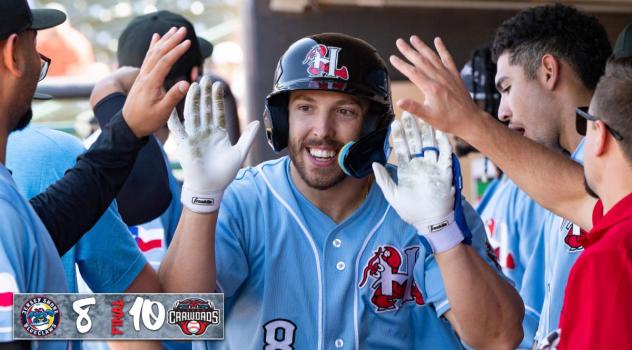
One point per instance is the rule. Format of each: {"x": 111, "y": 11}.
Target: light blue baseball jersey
{"x": 563, "y": 245}
{"x": 29, "y": 262}
{"x": 154, "y": 237}
{"x": 106, "y": 256}
{"x": 293, "y": 278}
{"x": 513, "y": 222}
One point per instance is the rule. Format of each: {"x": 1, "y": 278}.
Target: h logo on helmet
{"x": 323, "y": 62}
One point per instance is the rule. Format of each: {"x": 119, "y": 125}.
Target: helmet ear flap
{"x": 276, "y": 120}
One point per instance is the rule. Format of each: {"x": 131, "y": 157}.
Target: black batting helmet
{"x": 333, "y": 62}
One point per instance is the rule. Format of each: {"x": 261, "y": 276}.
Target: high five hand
{"x": 209, "y": 161}
{"x": 424, "y": 195}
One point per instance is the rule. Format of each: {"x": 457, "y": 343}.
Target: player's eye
{"x": 348, "y": 111}
{"x": 304, "y": 108}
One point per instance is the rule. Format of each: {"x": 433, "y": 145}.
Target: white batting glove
{"x": 424, "y": 194}
{"x": 209, "y": 161}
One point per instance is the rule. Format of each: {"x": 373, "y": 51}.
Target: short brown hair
{"x": 613, "y": 100}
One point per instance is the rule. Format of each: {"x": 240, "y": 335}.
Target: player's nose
{"x": 504, "y": 111}
{"x": 324, "y": 125}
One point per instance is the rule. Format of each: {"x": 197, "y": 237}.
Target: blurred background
{"x": 250, "y": 35}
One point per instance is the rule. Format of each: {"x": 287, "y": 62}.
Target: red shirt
{"x": 597, "y": 311}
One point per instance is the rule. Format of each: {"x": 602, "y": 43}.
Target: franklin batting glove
{"x": 424, "y": 195}
{"x": 209, "y": 161}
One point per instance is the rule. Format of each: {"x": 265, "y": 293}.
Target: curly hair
{"x": 559, "y": 30}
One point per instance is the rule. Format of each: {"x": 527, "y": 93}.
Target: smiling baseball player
{"x": 310, "y": 253}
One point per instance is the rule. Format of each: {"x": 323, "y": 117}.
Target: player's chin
{"x": 324, "y": 178}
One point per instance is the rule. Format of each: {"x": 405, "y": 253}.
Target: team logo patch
{"x": 574, "y": 236}
{"x": 393, "y": 282}
{"x": 193, "y": 315}
{"x": 40, "y": 316}
{"x": 322, "y": 62}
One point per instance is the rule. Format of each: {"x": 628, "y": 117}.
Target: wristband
{"x": 443, "y": 234}
{"x": 201, "y": 202}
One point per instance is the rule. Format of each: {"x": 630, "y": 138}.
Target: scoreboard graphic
{"x": 118, "y": 316}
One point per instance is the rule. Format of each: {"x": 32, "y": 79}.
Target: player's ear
{"x": 549, "y": 71}
{"x": 195, "y": 73}
{"x": 11, "y": 57}
{"x": 600, "y": 134}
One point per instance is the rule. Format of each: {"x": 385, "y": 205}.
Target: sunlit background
{"x": 83, "y": 49}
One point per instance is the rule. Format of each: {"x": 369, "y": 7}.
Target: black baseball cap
{"x": 134, "y": 41}
{"x": 623, "y": 45}
{"x": 206, "y": 48}
{"x": 16, "y": 16}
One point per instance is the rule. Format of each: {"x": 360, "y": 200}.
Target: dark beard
{"x": 590, "y": 190}
{"x": 25, "y": 119}
{"x": 318, "y": 184}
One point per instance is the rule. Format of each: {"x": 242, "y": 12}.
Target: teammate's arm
{"x": 74, "y": 203}
{"x": 209, "y": 164}
{"x": 145, "y": 194}
{"x": 550, "y": 178}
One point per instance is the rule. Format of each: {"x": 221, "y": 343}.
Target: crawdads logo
{"x": 193, "y": 315}
{"x": 574, "y": 236}
{"x": 393, "y": 284}
{"x": 323, "y": 62}
{"x": 40, "y": 316}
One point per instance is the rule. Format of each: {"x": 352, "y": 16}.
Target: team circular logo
{"x": 40, "y": 316}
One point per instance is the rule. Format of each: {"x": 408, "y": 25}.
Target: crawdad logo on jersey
{"x": 574, "y": 236}
{"x": 392, "y": 274}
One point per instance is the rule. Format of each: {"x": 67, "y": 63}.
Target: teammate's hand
{"x": 209, "y": 161}
{"x": 148, "y": 106}
{"x": 424, "y": 194}
{"x": 446, "y": 103}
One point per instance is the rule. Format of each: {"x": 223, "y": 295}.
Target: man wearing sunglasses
{"x": 29, "y": 261}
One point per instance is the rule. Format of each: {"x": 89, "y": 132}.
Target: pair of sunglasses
{"x": 581, "y": 118}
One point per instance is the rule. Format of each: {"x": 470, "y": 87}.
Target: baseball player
{"x": 107, "y": 257}
{"x": 550, "y": 59}
{"x": 28, "y": 258}
{"x": 311, "y": 253}
{"x": 29, "y": 261}
{"x": 511, "y": 218}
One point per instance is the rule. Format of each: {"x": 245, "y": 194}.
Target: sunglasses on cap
{"x": 581, "y": 118}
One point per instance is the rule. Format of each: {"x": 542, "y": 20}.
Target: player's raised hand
{"x": 446, "y": 103}
{"x": 148, "y": 106}
{"x": 424, "y": 195}
{"x": 209, "y": 161}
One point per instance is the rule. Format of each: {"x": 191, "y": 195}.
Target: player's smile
{"x": 322, "y": 157}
